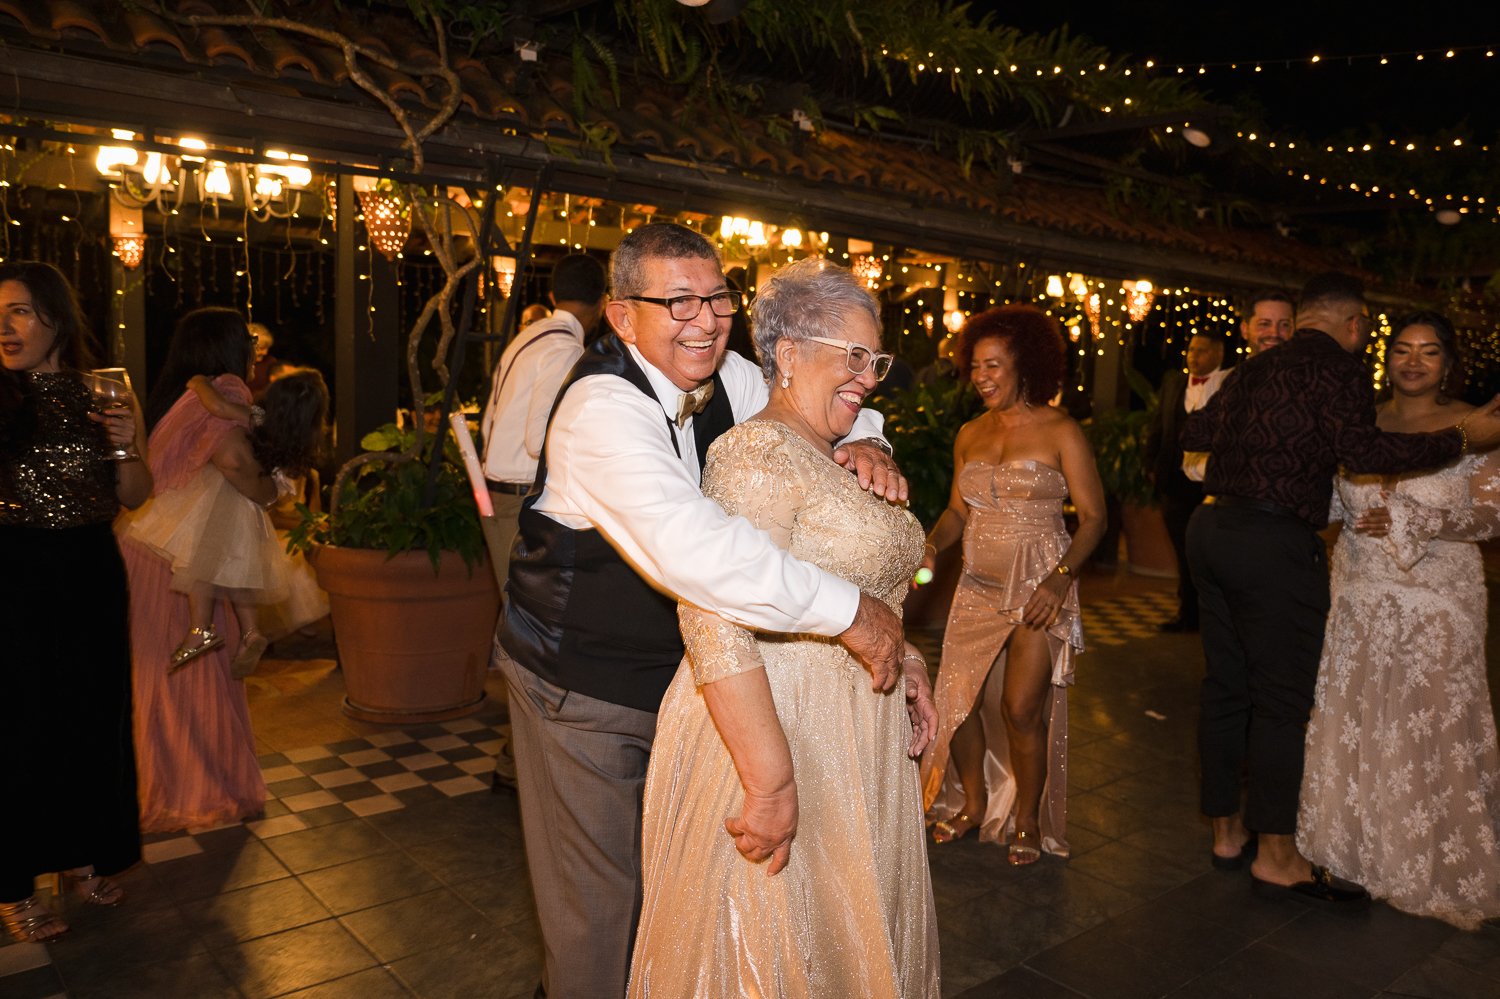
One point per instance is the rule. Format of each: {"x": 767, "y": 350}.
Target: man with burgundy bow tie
{"x": 1178, "y": 475}
{"x": 613, "y": 532}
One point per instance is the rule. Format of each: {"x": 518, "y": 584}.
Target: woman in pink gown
{"x": 194, "y": 748}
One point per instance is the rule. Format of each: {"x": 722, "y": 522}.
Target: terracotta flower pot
{"x": 1147, "y": 543}
{"x": 414, "y": 645}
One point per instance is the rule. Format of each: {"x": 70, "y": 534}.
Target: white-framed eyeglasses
{"x": 860, "y": 357}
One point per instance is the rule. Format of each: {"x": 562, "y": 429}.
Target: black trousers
{"x": 1178, "y": 501}
{"x": 1263, "y": 594}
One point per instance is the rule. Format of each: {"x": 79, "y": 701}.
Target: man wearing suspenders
{"x": 613, "y": 532}
{"x": 525, "y": 384}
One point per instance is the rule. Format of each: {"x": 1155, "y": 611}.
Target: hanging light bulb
{"x": 217, "y": 181}
{"x": 1054, "y": 286}
{"x": 1078, "y": 286}
{"x": 954, "y": 321}
{"x": 111, "y": 158}
{"x": 755, "y": 235}
{"x": 791, "y": 237}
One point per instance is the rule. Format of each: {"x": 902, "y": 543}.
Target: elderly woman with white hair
{"x": 782, "y": 845}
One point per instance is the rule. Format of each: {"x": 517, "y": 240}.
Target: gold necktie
{"x": 690, "y": 403}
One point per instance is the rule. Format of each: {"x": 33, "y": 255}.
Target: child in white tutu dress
{"x": 219, "y": 541}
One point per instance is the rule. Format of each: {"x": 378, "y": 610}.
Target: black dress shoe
{"x": 1246, "y": 854}
{"x": 1324, "y": 891}
{"x": 1177, "y": 626}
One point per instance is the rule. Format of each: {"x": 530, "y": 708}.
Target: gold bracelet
{"x": 933, "y": 547}
{"x": 1462, "y": 436}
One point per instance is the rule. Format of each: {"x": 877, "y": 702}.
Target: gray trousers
{"x": 581, "y": 775}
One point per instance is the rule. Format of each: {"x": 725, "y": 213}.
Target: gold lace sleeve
{"x": 751, "y": 474}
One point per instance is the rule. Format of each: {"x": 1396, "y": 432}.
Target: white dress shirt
{"x": 515, "y": 418}
{"x": 611, "y": 466}
{"x": 1195, "y": 463}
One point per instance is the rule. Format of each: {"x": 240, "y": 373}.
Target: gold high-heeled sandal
{"x": 1022, "y": 853}
{"x": 25, "y": 929}
{"x": 101, "y": 892}
{"x": 953, "y": 834}
{"x": 181, "y": 657}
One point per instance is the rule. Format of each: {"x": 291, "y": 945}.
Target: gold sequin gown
{"x": 1014, "y": 537}
{"x": 852, "y": 914}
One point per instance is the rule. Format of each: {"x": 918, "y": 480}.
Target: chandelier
{"x": 868, "y": 269}
{"x": 1138, "y": 298}
{"x": 387, "y": 227}
{"x": 505, "y": 275}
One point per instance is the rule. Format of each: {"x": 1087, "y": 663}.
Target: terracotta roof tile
{"x": 540, "y": 96}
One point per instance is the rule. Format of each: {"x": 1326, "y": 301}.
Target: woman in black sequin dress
{"x": 68, "y": 787}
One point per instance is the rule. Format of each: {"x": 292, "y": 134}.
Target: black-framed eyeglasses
{"x": 688, "y": 307}
{"x": 859, "y": 358}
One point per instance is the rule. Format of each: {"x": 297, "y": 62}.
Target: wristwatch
{"x": 877, "y": 442}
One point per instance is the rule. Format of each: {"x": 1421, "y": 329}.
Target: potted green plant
{"x": 413, "y": 601}
{"x": 1119, "y": 440}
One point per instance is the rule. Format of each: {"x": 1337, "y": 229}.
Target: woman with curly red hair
{"x": 1014, "y": 629}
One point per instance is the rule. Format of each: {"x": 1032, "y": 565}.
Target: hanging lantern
{"x": 1054, "y": 286}
{"x": 868, "y": 269}
{"x": 505, "y": 275}
{"x": 387, "y": 227}
{"x": 127, "y": 232}
{"x": 954, "y": 321}
{"x": 1138, "y": 298}
{"x": 131, "y": 250}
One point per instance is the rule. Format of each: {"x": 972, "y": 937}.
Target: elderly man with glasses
{"x": 614, "y": 532}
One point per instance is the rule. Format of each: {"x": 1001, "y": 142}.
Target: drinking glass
{"x": 111, "y": 390}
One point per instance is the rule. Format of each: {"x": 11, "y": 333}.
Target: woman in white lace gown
{"x": 1402, "y": 784}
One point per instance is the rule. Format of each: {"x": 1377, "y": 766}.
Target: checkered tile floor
{"x": 1117, "y": 621}
{"x": 318, "y": 785}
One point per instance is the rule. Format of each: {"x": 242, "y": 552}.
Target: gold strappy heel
{"x": 1022, "y": 851}
{"x": 27, "y": 929}
{"x": 211, "y": 640}
{"x": 100, "y": 895}
{"x": 252, "y": 647}
{"x": 947, "y": 828}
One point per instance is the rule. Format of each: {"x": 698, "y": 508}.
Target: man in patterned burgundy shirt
{"x": 1284, "y": 422}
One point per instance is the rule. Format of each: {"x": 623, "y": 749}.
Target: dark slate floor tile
{"x": 326, "y": 815}
{"x": 1099, "y": 967}
{"x": 445, "y": 771}
{"x": 496, "y": 963}
{"x": 1077, "y": 897}
{"x": 1005, "y": 930}
{"x": 1202, "y": 988}
{"x": 401, "y": 749}
{"x": 425, "y": 823}
{"x": 1261, "y": 972}
{"x": 965, "y": 965}
{"x": 270, "y": 760}
{"x": 1081, "y": 840}
{"x": 295, "y": 959}
{"x": 459, "y": 753}
{"x": 34, "y": 983}
{"x": 1017, "y": 983}
{"x": 253, "y": 912}
{"x": 468, "y": 855}
{"x": 1373, "y": 948}
{"x": 348, "y": 746}
{"x": 375, "y": 880}
{"x": 93, "y": 961}
{"x": 415, "y": 925}
{"x": 205, "y": 874}
{"x": 287, "y": 788}
{"x": 327, "y": 846}
{"x": 323, "y": 765}
{"x": 1187, "y": 844}
{"x": 1135, "y": 870}
{"x": 430, "y": 731}
{"x": 353, "y": 792}
{"x": 424, "y": 795}
{"x": 1478, "y": 951}
{"x": 228, "y": 838}
{"x": 1087, "y": 772}
{"x": 1102, "y": 815}
{"x": 1434, "y": 978}
{"x": 1175, "y": 933}
{"x": 504, "y": 897}
{"x": 382, "y": 768}
{"x": 372, "y": 983}
{"x": 1225, "y": 899}
{"x": 195, "y": 976}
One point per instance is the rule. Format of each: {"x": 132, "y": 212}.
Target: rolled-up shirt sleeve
{"x": 611, "y": 464}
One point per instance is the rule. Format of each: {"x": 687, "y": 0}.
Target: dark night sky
{"x": 1405, "y": 97}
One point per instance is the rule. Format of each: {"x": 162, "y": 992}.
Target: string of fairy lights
{"x": 1375, "y": 58}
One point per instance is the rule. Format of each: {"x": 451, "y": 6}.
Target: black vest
{"x": 578, "y": 614}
